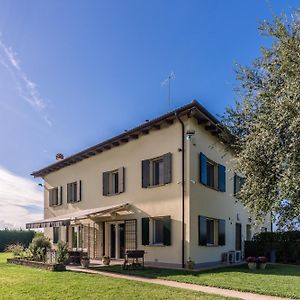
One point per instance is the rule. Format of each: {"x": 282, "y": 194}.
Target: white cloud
{"x": 21, "y": 201}
{"x": 27, "y": 89}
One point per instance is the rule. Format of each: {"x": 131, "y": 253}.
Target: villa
{"x": 167, "y": 187}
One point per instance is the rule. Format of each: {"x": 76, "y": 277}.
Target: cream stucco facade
{"x": 151, "y": 202}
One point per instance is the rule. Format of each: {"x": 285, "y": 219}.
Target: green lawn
{"x": 276, "y": 280}
{"x": 19, "y": 282}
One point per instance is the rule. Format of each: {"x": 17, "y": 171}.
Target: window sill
{"x": 156, "y": 245}
{"x": 113, "y": 194}
{"x": 155, "y": 186}
{"x": 212, "y": 188}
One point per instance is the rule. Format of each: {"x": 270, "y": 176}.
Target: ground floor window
{"x": 158, "y": 231}
{"x": 211, "y": 231}
{"x": 77, "y": 236}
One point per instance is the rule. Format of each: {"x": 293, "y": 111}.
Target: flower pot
{"x": 85, "y": 262}
{"x": 106, "y": 261}
{"x": 261, "y": 266}
{"x": 252, "y": 265}
{"x": 190, "y": 265}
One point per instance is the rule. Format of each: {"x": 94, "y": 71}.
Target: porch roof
{"x": 65, "y": 220}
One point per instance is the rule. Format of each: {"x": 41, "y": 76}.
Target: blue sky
{"x": 73, "y": 73}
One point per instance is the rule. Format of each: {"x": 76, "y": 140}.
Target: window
{"x": 157, "y": 171}
{"x": 212, "y": 175}
{"x": 158, "y": 231}
{"x": 53, "y": 197}
{"x": 74, "y": 192}
{"x": 113, "y": 182}
{"x": 238, "y": 184}
{"x": 211, "y": 231}
{"x": 56, "y": 235}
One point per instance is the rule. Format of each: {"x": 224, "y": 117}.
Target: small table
{"x": 75, "y": 256}
{"x": 132, "y": 259}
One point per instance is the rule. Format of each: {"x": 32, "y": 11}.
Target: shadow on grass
{"x": 151, "y": 272}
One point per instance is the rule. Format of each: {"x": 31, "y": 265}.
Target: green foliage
{"x": 9, "y": 237}
{"x": 39, "y": 247}
{"x": 266, "y": 125}
{"x": 286, "y": 244}
{"x": 62, "y": 252}
{"x": 15, "y": 249}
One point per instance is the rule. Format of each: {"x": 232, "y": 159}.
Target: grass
{"x": 275, "y": 280}
{"x": 19, "y": 282}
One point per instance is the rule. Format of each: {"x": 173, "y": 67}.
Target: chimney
{"x": 59, "y": 156}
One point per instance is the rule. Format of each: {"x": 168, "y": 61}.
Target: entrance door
{"x": 238, "y": 236}
{"x": 117, "y": 240}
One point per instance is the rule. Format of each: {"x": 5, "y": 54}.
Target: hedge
{"x": 8, "y": 237}
{"x": 286, "y": 245}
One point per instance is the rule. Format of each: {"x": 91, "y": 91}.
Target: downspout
{"x": 182, "y": 189}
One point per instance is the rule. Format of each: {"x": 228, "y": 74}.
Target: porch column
{"x": 117, "y": 235}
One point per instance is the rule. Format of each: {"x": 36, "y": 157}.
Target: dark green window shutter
{"x": 105, "y": 181}
{"x": 79, "y": 191}
{"x": 167, "y": 159}
{"x": 68, "y": 192}
{"x": 221, "y": 231}
{"x": 235, "y": 185}
{"x": 145, "y": 231}
{"x": 202, "y": 230}
{"x": 145, "y": 173}
{"x": 121, "y": 183}
{"x": 167, "y": 230}
{"x": 203, "y": 168}
{"x": 221, "y": 178}
{"x": 60, "y": 195}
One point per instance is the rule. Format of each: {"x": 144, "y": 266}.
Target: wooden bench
{"x": 75, "y": 257}
{"x": 132, "y": 259}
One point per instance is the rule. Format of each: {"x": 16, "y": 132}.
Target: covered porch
{"x": 109, "y": 231}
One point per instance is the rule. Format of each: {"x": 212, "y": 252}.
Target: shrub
{"x": 39, "y": 247}
{"x": 16, "y": 249}
{"x": 62, "y": 254}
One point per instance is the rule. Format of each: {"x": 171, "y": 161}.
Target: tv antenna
{"x": 167, "y": 82}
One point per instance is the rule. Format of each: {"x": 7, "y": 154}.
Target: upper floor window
{"x": 74, "y": 191}
{"x": 238, "y": 184}
{"x": 212, "y": 174}
{"x": 55, "y": 196}
{"x": 113, "y": 182}
{"x": 157, "y": 171}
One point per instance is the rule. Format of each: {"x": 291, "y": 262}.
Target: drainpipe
{"x": 182, "y": 189}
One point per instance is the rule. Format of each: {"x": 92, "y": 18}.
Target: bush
{"x": 39, "y": 247}
{"x": 62, "y": 254}
{"x": 286, "y": 245}
{"x": 9, "y": 237}
{"x": 16, "y": 249}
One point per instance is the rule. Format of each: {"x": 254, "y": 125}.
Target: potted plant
{"x": 85, "y": 261}
{"x": 251, "y": 260}
{"x": 261, "y": 262}
{"x": 62, "y": 256}
{"x": 106, "y": 260}
{"x": 190, "y": 264}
